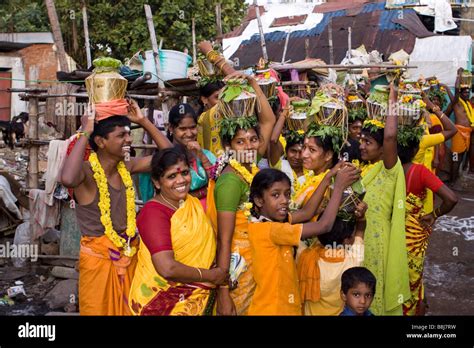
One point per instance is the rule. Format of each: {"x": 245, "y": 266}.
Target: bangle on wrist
{"x": 200, "y": 273}
{"x": 86, "y": 134}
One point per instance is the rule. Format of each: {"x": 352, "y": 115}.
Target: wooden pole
{"x": 193, "y": 28}
{"x": 349, "y": 41}
{"x": 306, "y": 48}
{"x": 219, "y": 23}
{"x": 33, "y": 133}
{"x": 331, "y": 51}
{"x": 286, "y": 46}
{"x": 57, "y": 36}
{"x": 154, "y": 45}
{"x": 315, "y": 65}
{"x": 262, "y": 36}
{"x": 86, "y": 35}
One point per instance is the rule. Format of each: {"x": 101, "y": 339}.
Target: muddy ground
{"x": 449, "y": 267}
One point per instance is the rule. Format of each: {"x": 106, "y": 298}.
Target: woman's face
{"x": 293, "y": 155}
{"x": 212, "y": 100}
{"x": 314, "y": 156}
{"x": 185, "y": 132}
{"x": 245, "y": 145}
{"x": 370, "y": 149}
{"x": 175, "y": 182}
{"x": 355, "y": 128}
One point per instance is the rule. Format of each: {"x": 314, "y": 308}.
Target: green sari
{"x": 385, "y": 245}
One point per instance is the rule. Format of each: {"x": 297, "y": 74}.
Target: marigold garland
{"x": 364, "y": 167}
{"x": 104, "y": 204}
{"x": 310, "y": 179}
{"x": 239, "y": 168}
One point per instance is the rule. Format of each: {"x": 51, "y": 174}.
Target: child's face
{"x": 358, "y": 298}
{"x": 275, "y": 201}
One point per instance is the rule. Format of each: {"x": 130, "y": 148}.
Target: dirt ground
{"x": 449, "y": 267}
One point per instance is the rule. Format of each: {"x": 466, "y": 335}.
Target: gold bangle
{"x": 200, "y": 273}
{"x": 87, "y": 135}
{"x": 442, "y": 115}
{"x": 224, "y": 286}
{"x": 212, "y": 56}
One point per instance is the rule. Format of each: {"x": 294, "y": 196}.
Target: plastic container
{"x": 173, "y": 65}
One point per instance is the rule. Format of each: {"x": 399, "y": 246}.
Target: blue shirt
{"x": 349, "y": 313}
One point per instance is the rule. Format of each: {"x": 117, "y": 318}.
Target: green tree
{"x": 118, "y": 28}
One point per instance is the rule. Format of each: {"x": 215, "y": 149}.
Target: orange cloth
{"x": 111, "y": 108}
{"x": 104, "y": 284}
{"x": 308, "y": 269}
{"x": 462, "y": 139}
{"x": 274, "y": 268}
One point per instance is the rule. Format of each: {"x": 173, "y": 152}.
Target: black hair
{"x": 326, "y": 144}
{"x": 262, "y": 182}
{"x": 104, "y": 127}
{"x": 355, "y": 275}
{"x": 408, "y": 152}
{"x": 377, "y": 136}
{"x": 166, "y": 158}
{"x": 178, "y": 113}
{"x": 292, "y": 142}
{"x": 341, "y": 230}
{"x": 207, "y": 90}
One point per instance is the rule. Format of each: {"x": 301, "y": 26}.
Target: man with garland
{"x": 103, "y": 189}
{"x": 464, "y": 122}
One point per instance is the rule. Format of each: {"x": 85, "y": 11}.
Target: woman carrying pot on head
{"x": 174, "y": 275}
{"x": 183, "y": 131}
{"x": 384, "y": 181}
{"x": 246, "y": 138}
{"x": 320, "y": 153}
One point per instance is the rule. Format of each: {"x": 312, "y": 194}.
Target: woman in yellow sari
{"x": 174, "y": 275}
{"x": 419, "y": 222}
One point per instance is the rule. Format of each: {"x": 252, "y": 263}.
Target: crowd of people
{"x": 260, "y": 231}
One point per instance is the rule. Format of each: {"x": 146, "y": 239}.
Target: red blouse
{"x": 154, "y": 225}
{"x": 419, "y": 178}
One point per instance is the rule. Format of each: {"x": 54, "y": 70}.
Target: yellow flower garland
{"x": 310, "y": 179}
{"x": 364, "y": 167}
{"x": 104, "y": 204}
{"x": 248, "y": 177}
{"x": 296, "y": 184}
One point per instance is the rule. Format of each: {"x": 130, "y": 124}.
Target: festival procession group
{"x": 262, "y": 204}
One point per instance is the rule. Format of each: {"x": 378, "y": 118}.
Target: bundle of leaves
{"x": 379, "y": 95}
{"x": 408, "y": 135}
{"x": 357, "y": 114}
{"x": 294, "y": 137}
{"x": 106, "y": 64}
{"x": 324, "y": 132}
{"x": 230, "y": 125}
{"x": 233, "y": 89}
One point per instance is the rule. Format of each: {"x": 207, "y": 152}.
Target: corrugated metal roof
{"x": 338, "y": 5}
{"x": 372, "y": 27}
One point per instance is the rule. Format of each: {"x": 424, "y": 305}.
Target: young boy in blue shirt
{"x": 357, "y": 291}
